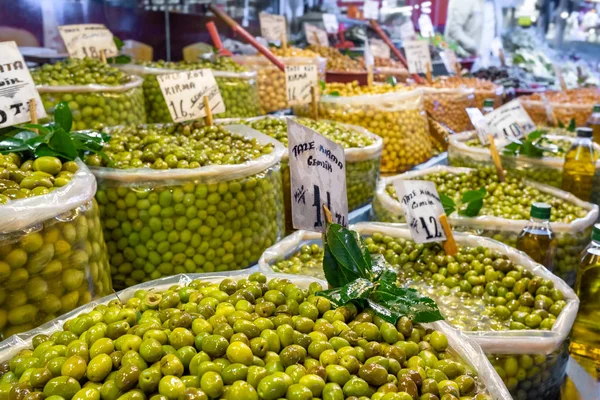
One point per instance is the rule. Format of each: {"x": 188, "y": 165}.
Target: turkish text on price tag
{"x": 417, "y": 56}
{"x": 184, "y": 94}
{"x": 510, "y": 121}
{"x": 449, "y": 59}
{"x": 88, "y": 40}
{"x": 371, "y": 9}
{"x": 16, "y": 88}
{"x": 422, "y": 209}
{"x": 299, "y": 79}
{"x": 379, "y": 48}
{"x": 316, "y": 36}
{"x": 478, "y": 121}
{"x": 331, "y": 23}
{"x": 272, "y": 27}
{"x": 407, "y": 31}
{"x": 318, "y": 177}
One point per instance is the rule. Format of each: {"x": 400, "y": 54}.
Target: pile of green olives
{"x": 307, "y": 261}
{"x": 20, "y": 178}
{"x": 70, "y": 81}
{"x": 247, "y": 339}
{"x": 237, "y": 86}
{"x": 157, "y": 227}
{"x": 361, "y": 176}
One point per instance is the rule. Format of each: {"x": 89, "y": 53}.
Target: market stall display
{"x": 517, "y": 310}
{"x": 238, "y": 86}
{"x": 152, "y": 347}
{"x": 99, "y": 95}
{"x": 560, "y": 108}
{"x": 505, "y": 209}
{"x": 187, "y": 198}
{"x": 394, "y": 113}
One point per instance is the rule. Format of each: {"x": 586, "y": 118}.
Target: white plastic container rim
{"x": 134, "y": 82}
{"x": 466, "y": 349}
{"x": 392, "y": 101}
{"x": 20, "y": 216}
{"x": 141, "y": 70}
{"x": 492, "y": 342}
{"x": 487, "y": 221}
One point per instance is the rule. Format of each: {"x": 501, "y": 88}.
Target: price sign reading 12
{"x": 422, "y": 209}
{"x": 318, "y": 177}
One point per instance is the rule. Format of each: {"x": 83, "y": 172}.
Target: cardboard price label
{"x": 379, "y": 48}
{"x": 16, "y": 88}
{"x": 510, "y": 121}
{"x": 184, "y": 93}
{"x": 331, "y": 23}
{"x": 272, "y": 27}
{"x": 450, "y": 60}
{"x": 318, "y": 177}
{"x": 407, "y": 31}
{"x": 417, "y": 56}
{"x": 422, "y": 210}
{"x": 88, "y": 40}
{"x": 371, "y": 10}
{"x": 478, "y": 121}
{"x": 316, "y": 36}
{"x": 299, "y": 79}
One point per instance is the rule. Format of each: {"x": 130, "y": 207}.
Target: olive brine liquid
{"x": 537, "y": 238}
{"x": 580, "y": 166}
{"x": 585, "y": 336}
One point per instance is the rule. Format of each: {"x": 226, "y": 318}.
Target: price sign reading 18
{"x": 299, "y": 79}
{"x": 422, "y": 209}
{"x": 318, "y": 177}
{"x": 316, "y": 36}
{"x": 417, "y": 56}
{"x": 272, "y": 27}
{"x": 88, "y": 40}
{"x": 184, "y": 93}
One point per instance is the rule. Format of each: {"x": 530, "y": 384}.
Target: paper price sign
{"x": 331, "y": 23}
{"x": 379, "y": 48}
{"x": 88, "y": 40}
{"x": 449, "y": 59}
{"x": 318, "y": 177}
{"x": 16, "y": 88}
{"x": 417, "y": 56}
{"x": 371, "y": 10}
{"x": 407, "y": 31}
{"x": 316, "y": 36}
{"x": 510, "y": 121}
{"x": 184, "y": 93}
{"x": 422, "y": 209}
{"x": 272, "y": 27}
{"x": 299, "y": 79}
{"x": 478, "y": 121}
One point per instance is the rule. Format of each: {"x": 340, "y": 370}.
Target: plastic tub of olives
{"x": 280, "y": 358}
{"x": 573, "y": 233}
{"x": 398, "y": 117}
{"x": 174, "y": 215}
{"x": 362, "y": 150}
{"x": 52, "y": 252}
{"x": 447, "y": 105}
{"x": 530, "y": 360}
{"x": 464, "y": 150}
{"x": 239, "y": 91}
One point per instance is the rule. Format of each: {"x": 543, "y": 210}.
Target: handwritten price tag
{"x": 272, "y": 27}
{"x": 88, "y": 40}
{"x": 417, "y": 56}
{"x": 449, "y": 59}
{"x": 510, "y": 121}
{"x": 299, "y": 80}
{"x": 331, "y": 23}
{"x": 407, "y": 31}
{"x": 16, "y": 88}
{"x": 316, "y": 36}
{"x": 184, "y": 93}
{"x": 371, "y": 10}
{"x": 379, "y": 48}
{"x": 318, "y": 176}
{"x": 422, "y": 209}
{"x": 478, "y": 121}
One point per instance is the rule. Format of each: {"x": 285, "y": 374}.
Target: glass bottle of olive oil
{"x": 585, "y": 337}
{"x": 488, "y": 106}
{"x": 537, "y": 238}
{"x": 580, "y": 165}
{"x": 594, "y": 123}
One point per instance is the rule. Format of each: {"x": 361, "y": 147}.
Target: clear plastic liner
{"x": 466, "y": 349}
{"x": 52, "y": 254}
{"x": 447, "y": 105}
{"x": 399, "y": 118}
{"x": 239, "y": 91}
{"x": 97, "y": 106}
{"x": 572, "y": 237}
{"x": 208, "y": 219}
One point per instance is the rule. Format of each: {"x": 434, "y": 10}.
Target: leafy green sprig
{"x": 55, "y": 139}
{"x": 367, "y": 281}
{"x": 470, "y": 203}
{"x": 530, "y": 146}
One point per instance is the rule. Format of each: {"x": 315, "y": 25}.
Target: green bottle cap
{"x": 540, "y": 210}
{"x": 596, "y": 233}
{"x": 584, "y": 132}
{"x": 488, "y": 103}
{"x": 596, "y": 108}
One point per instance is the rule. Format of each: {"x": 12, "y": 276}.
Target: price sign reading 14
{"x": 88, "y": 40}
{"x": 422, "y": 210}
{"x": 318, "y": 177}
